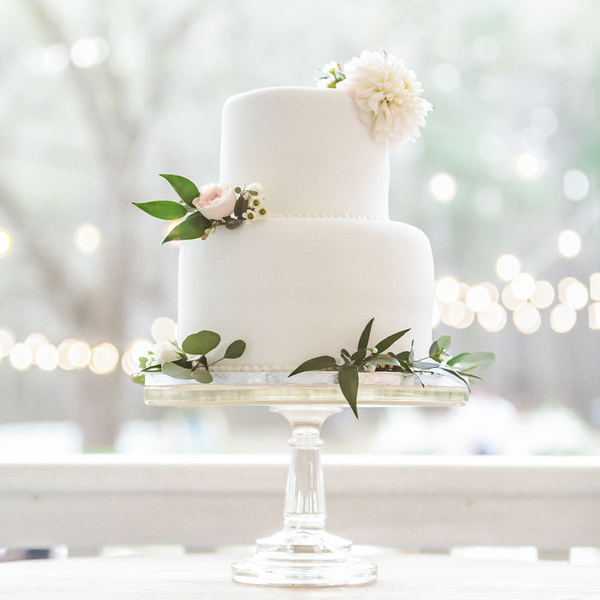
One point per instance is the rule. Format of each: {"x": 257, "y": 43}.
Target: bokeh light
{"x": 576, "y": 185}
{"x": 447, "y": 289}
{"x": 595, "y": 286}
{"x": 88, "y": 52}
{"x": 569, "y": 243}
{"x": 5, "y": 242}
{"x": 478, "y": 298}
{"x": 7, "y": 341}
{"x": 508, "y": 267}
{"x": 442, "y": 187}
{"x": 63, "y": 354}
{"x": 21, "y": 357}
{"x": 510, "y": 300}
{"x": 527, "y": 165}
{"x": 104, "y": 358}
{"x": 594, "y": 315}
{"x": 562, "y": 318}
{"x": 34, "y": 342}
{"x": 576, "y": 295}
{"x": 523, "y": 286}
{"x": 543, "y": 295}
{"x": 46, "y": 357}
{"x": 87, "y": 238}
{"x": 163, "y": 329}
{"x": 527, "y": 318}
{"x": 493, "y": 318}
{"x": 138, "y": 349}
{"x": 79, "y": 354}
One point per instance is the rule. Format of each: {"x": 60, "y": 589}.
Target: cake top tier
{"x": 309, "y": 150}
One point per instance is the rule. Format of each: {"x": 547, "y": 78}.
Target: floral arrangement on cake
{"x": 207, "y": 208}
{"x": 190, "y": 361}
{"x": 386, "y": 92}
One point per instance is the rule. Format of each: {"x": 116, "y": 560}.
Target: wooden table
{"x": 207, "y": 576}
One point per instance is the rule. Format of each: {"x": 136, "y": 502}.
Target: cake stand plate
{"x": 303, "y": 553}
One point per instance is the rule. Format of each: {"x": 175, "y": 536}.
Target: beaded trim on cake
{"x": 326, "y": 216}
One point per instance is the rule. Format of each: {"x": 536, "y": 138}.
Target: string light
{"x": 5, "y": 242}
{"x": 562, "y": 318}
{"x": 563, "y": 285}
{"x": 569, "y": 243}
{"x": 510, "y": 300}
{"x": 508, "y": 267}
{"x": 493, "y": 318}
{"x": 442, "y": 187}
{"x": 492, "y": 289}
{"x": 63, "y": 355}
{"x": 34, "y": 342}
{"x": 576, "y": 295}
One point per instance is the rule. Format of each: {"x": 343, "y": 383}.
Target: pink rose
{"x": 216, "y": 200}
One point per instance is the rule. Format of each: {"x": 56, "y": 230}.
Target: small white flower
{"x": 262, "y": 211}
{"x": 388, "y": 95}
{"x": 340, "y": 362}
{"x": 250, "y": 216}
{"x": 373, "y": 350}
{"x": 255, "y": 187}
{"x": 163, "y": 352}
{"x": 371, "y": 367}
{"x": 327, "y": 75}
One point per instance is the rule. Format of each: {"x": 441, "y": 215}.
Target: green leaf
{"x": 444, "y": 342}
{"x": 235, "y": 349}
{"x": 163, "y": 209}
{"x": 201, "y": 343}
{"x": 390, "y": 340}
{"x": 233, "y": 223}
{"x": 185, "y": 189}
{"x": 202, "y": 376}
{"x": 383, "y": 359}
{"x": 363, "y": 342}
{"x": 359, "y": 355}
{"x": 348, "y": 380}
{"x": 403, "y": 356}
{"x": 435, "y": 352}
{"x": 315, "y": 364}
{"x": 192, "y": 228}
{"x": 138, "y": 378}
{"x": 240, "y": 206}
{"x": 476, "y": 360}
{"x": 176, "y": 371}
{"x": 454, "y": 375}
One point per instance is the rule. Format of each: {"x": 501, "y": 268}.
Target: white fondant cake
{"x": 306, "y": 279}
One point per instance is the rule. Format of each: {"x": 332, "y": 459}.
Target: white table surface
{"x": 199, "y": 576}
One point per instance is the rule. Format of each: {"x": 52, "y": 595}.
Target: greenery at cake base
{"x": 375, "y": 358}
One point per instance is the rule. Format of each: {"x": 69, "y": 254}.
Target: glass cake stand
{"x": 303, "y": 553}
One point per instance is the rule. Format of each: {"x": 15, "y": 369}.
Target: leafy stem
{"x": 376, "y": 358}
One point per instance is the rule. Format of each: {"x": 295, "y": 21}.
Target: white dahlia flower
{"x": 388, "y": 96}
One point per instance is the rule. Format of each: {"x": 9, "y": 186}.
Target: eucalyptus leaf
{"x": 363, "y": 342}
{"x": 192, "y": 228}
{"x": 476, "y": 360}
{"x": 444, "y": 342}
{"x": 201, "y": 343}
{"x": 240, "y": 206}
{"x": 390, "y": 340}
{"x": 233, "y": 223}
{"x": 185, "y": 189}
{"x": 202, "y": 376}
{"x": 403, "y": 356}
{"x": 139, "y": 378}
{"x": 359, "y": 355}
{"x": 235, "y": 349}
{"x": 319, "y": 363}
{"x": 383, "y": 359}
{"x": 163, "y": 209}
{"x": 348, "y": 380}
{"x": 173, "y": 370}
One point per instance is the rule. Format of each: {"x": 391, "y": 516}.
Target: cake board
{"x": 304, "y": 553}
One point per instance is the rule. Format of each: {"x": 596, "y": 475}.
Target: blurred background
{"x": 97, "y": 98}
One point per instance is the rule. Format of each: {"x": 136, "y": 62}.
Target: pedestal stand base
{"x": 304, "y": 558}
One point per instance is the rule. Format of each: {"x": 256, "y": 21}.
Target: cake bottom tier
{"x": 296, "y": 288}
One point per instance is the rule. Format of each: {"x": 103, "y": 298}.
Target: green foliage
{"x": 163, "y": 209}
{"x": 201, "y": 343}
{"x": 458, "y": 368}
{"x": 185, "y": 189}
{"x": 192, "y": 228}
{"x": 193, "y": 363}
